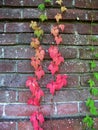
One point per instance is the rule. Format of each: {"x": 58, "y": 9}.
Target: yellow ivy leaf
{"x": 58, "y": 16}
{"x": 59, "y": 2}
{"x": 63, "y": 8}
{"x": 33, "y": 25}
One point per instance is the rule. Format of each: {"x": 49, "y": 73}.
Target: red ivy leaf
{"x": 39, "y": 72}
{"x": 62, "y": 27}
{"x": 53, "y": 51}
{"x": 58, "y": 59}
{"x": 53, "y": 68}
{"x": 54, "y": 31}
{"x": 52, "y": 86}
{"x": 40, "y": 117}
{"x": 58, "y": 39}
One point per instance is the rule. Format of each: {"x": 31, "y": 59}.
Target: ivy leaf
{"x": 92, "y": 64}
{"x": 59, "y": 2}
{"x": 89, "y": 121}
{"x": 93, "y": 110}
{"x": 92, "y": 48}
{"x": 96, "y": 55}
{"x": 48, "y": 1}
{"x": 58, "y": 39}
{"x": 35, "y": 42}
{"x": 63, "y": 9}
{"x": 94, "y": 91}
{"x": 39, "y": 32}
{"x": 43, "y": 17}
{"x": 41, "y": 7}
{"x": 54, "y": 31}
{"x": 91, "y": 83}
{"x": 39, "y": 72}
{"x": 33, "y": 25}
{"x": 62, "y": 27}
{"x": 96, "y": 75}
{"x": 90, "y": 103}
{"x": 53, "y": 67}
{"x": 58, "y": 16}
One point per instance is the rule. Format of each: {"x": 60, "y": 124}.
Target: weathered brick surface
{"x": 7, "y": 96}
{"x": 15, "y": 67}
{"x": 7, "y": 125}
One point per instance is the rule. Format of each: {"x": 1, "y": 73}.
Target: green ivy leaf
{"x": 41, "y": 7}
{"x": 96, "y": 55}
{"x": 93, "y": 110}
{"x": 43, "y": 17}
{"x": 90, "y": 103}
{"x": 92, "y": 48}
{"x": 92, "y": 64}
{"x": 91, "y": 83}
{"x": 96, "y": 75}
{"x": 94, "y": 91}
{"x": 48, "y": 1}
{"x": 38, "y": 33}
{"x": 89, "y": 121}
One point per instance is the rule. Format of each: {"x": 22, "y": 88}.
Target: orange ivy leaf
{"x": 63, "y": 9}
{"x": 62, "y": 27}
{"x": 35, "y": 62}
{"x": 54, "y": 31}
{"x": 40, "y": 53}
{"x": 35, "y": 42}
{"x": 58, "y": 39}
{"x": 58, "y": 16}
{"x": 59, "y": 2}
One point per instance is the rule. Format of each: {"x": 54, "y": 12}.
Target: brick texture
{"x": 64, "y": 110}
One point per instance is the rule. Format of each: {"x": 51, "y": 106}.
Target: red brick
{"x": 18, "y": 27}
{"x": 67, "y": 96}
{"x": 6, "y": 13}
{"x": 7, "y": 96}
{"x": 1, "y": 110}
{"x": 27, "y": 110}
{"x": 25, "y": 125}
{"x": 1, "y": 27}
{"x": 63, "y": 124}
{"x": 13, "y": 80}
{"x": 86, "y": 28}
{"x": 7, "y": 39}
{"x": 67, "y": 109}
{"x": 85, "y": 53}
{"x": 7, "y": 125}
{"x": 12, "y": 3}
{"x": 69, "y": 66}
{"x": 7, "y": 66}
{"x": 86, "y": 4}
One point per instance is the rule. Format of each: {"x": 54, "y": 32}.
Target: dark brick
{"x": 1, "y": 27}
{"x": 27, "y": 110}
{"x": 13, "y": 3}
{"x": 6, "y": 13}
{"x": 67, "y": 109}
{"x": 86, "y": 4}
{"x": 18, "y": 27}
{"x": 1, "y": 110}
{"x": 18, "y": 52}
{"x": 7, "y": 39}
{"x": 7, "y": 66}
{"x": 7, "y": 125}
{"x": 1, "y": 2}
{"x": 31, "y": 13}
{"x": 86, "y": 53}
{"x": 32, "y": 3}
{"x": 7, "y": 96}
{"x": 86, "y": 28}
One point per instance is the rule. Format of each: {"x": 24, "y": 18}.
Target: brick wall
{"x": 15, "y": 35}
